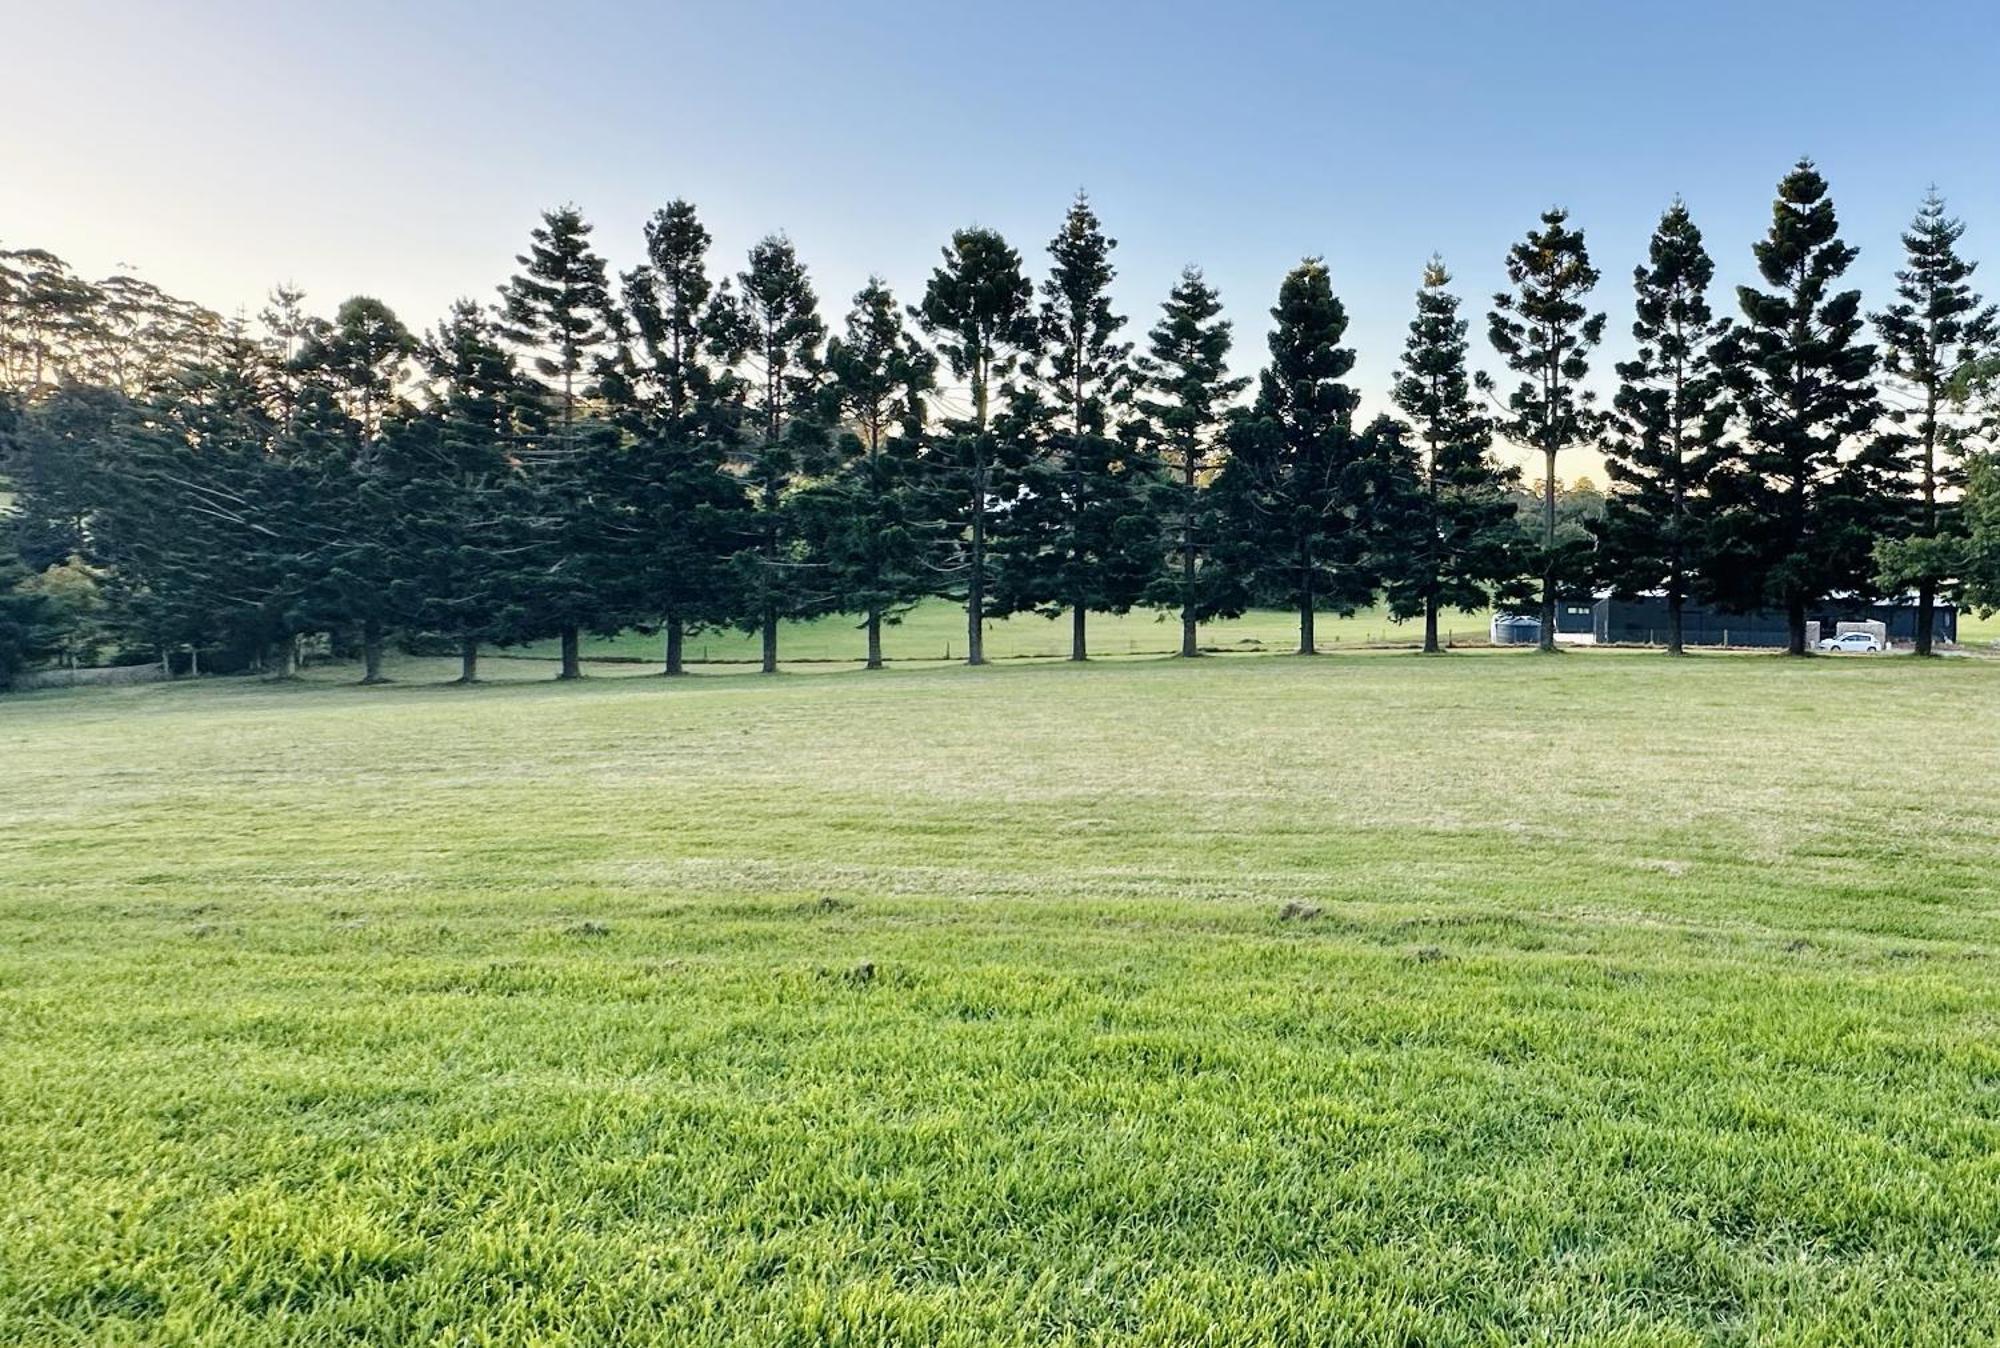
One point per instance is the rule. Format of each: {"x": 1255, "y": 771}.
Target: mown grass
{"x": 1489, "y": 999}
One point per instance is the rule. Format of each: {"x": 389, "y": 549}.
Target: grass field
{"x": 1492, "y": 999}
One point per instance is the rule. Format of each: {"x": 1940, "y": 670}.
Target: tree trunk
{"x": 1431, "y": 624}
{"x": 572, "y": 666}
{"x": 975, "y": 585}
{"x": 676, "y": 641}
{"x": 285, "y": 658}
{"x": 1795, "y": 625}
{"x": 1675, "y": 624}
{"x": 1308, "y": 645}
{"x": 194, "y": 662}
{"x": 1548, "y": 643}
{"x": 874, "y": 638}
{"x": 371, "y": 651}
{"x": 1078, "y": 647}
{"x": 1926, "y": 615}
{"x": 468, "y": 659}
{"x": 770, "y": 640}
{"x": 1190, "y": 647}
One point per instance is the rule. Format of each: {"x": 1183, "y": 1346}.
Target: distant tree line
{"x": 672, "y": 449}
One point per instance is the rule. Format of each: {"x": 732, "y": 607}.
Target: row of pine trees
{"x": 669, "y": 450}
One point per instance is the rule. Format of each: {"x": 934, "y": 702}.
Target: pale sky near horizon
{"x": 404, "y": 150}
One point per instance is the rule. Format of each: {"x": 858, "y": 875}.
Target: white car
{"x": 1852, "y": 643}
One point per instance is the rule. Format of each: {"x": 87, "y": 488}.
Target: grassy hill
{"x": 1367, "y": 1000}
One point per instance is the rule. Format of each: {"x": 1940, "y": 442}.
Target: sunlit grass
{"x": 1489, "y": 999}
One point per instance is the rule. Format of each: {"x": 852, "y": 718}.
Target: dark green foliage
{"x": 678, "y": 509}
{"x": 1668, "y": 424}
{"x": 352, "y": 372}
{"x": 23, "y": 616}
{"x": 976, "y": 308}
{"x": 1978, "y": 559}
{"x": 1184, "y": 403}
{"x": 867, "y": 520}
{"x": 465, "y": 510}
{"x": 558, "y": 308}
{"x": 1301, "y": 489}
{"x": 1089, "y": 537}
{"x": 558, "y": 311}
{"x": 1937, "y": 326}
{"x": 1545, "y": 333}
{"x": 1451, "y": 539}
{"x": 1800, "y": 505}
{"x": 770, "y": 331}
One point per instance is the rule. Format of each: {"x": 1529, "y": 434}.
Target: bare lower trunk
{"x": 1190, "y": 633}
{"x": 1430, "y": 625}
{"x": 284, "y": 663}
{"x": 1676, "y": 624}
{"x": 1079, "y": 647}
{"x": 468, "y": 659}
{"x": 1926, "y": 617}
{"x": 1548, "y": 643}
{"x": 770, "y": 641}
{"x": 572, "y": 663}
{"x": 371, "y": 652}
{"x": 874, "y": 638}
{"x": 194, "y": 661}
{"x": 1308, "y": 644}
{"x": 676, "y": 641}
{"x": 975, "y": 593}
{"x": 1795, "y": 627}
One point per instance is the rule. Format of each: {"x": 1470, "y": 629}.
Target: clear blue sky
{"x": 404, "y": 149}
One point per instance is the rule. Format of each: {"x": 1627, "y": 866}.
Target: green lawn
{"x": 1485, "y": 1000}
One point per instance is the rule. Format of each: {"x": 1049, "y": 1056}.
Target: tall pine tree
{"x": 1096, "y": 544}
{"x": 977, "y": 309}
{"x": 870, "y": 523}
{"x": 770, "y": 329}
{"x": 557, "y": 309}
{"x": 1297, "y": 485}
{"x": 1454, "y": 537}
{"x": 1669, "y": 415}
{"x": 1938, "y": 325}
{"x": 1185, "y": 402}
{"x": 1801, "y": 503}
{"x": 682, "y": 507}
{"x": 1545, "y": 333}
